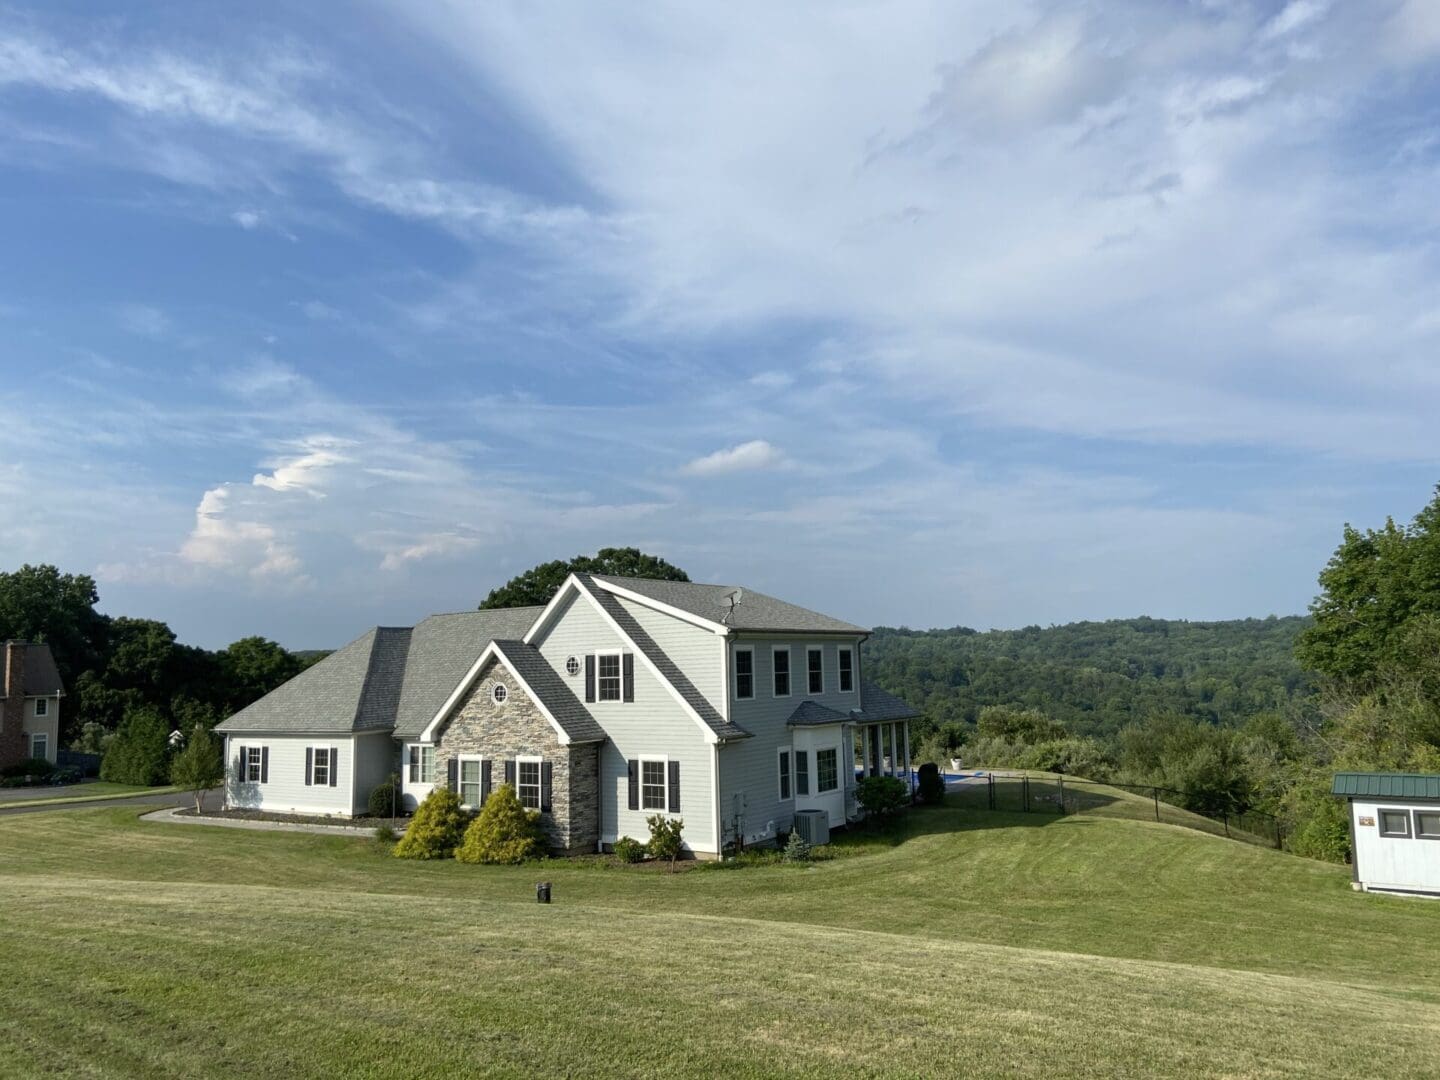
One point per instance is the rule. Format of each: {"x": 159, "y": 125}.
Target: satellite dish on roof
{"x": 734, "y": 598}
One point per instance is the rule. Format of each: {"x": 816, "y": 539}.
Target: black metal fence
{"x": 1049, "y": 793}
{"x": 88, "y": 764}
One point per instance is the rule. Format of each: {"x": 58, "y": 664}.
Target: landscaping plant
{"x": 932, "y": 785}
{"x": 140, "y": 753}
{"x": 385, "y": 798}
{"x": 881, "y": 797}
{"x": 504, "y": 832}
{"x": 436, "y": 829}
{"x": 665, "y": 837}
{"x": 797, "y": 849}
{"x": 629, "y": 850}
{"x": 198, "y": 767}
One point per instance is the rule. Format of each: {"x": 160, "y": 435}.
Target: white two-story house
{"x": 621, "y": 698}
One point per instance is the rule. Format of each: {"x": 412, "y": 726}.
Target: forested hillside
{"x": 1096, "y": 677}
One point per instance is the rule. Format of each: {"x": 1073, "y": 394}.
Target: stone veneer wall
{"x": 516, "y": 728}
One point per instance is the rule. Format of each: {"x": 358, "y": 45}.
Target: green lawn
{"x": 79, "y": 793}
{"x": 982, "y": 944}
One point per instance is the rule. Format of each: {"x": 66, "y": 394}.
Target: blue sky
{"x": 927, "y": 314}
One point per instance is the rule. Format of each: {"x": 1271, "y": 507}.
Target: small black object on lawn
{"x": 542, "y": 892}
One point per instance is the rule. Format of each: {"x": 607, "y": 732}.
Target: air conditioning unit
{"x": 813, "y": 826}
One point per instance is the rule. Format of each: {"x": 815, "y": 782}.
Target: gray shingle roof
{"x": 554, "y": 694}
{"x": 667, "y": 668}
{"x": 41, "y": 674}
{"x": 755, "y": 612}
{"x": 442, "y": 649}
{"x": 812, "y": 714}
{"x": 1387, "y": 785}
{"x": 879, "y": 705}
{"x": 390, "y": 677}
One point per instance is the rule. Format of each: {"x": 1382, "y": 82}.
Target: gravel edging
{"x": 174, "y": 816}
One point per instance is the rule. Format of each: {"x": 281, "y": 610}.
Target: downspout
{"x": 715, "y": 749}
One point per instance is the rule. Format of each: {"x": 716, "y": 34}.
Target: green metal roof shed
{"x": 1362, "y": 785}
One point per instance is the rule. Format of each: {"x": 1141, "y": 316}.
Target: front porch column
{"x": 877, "y": 761}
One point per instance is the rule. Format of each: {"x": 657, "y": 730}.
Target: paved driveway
{"x": 213, "y": 800}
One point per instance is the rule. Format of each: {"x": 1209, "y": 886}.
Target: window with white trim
{"x": 469, "y": 778}
{"x": 254, "y": 759}
{"x": 847, "y": 670}
{"x": 1395, "y": 823}
{"x": 527, "y": 782}
{"x": 320, "y": 765}
{"x": 608, "y": 681}
{"x": 498, "y": 693}
{"x": 42, "y": 706}
{"x": 784, "y": 774}
{"x": 780, "y": 661}
{"x": 654, "y": 789}
{"x": 422, "y": 764}
{"x": 815, "y": 665}
{"x": 744, "y": 674}
{"x": 1427, "y": 824}
{"x": 827, "y": 770}
{"x": 40, "y": 745}
{"x": 572, "y": 666}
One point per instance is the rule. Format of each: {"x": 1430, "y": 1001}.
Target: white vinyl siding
{"x": 45, "y": 725}
{"x": 653, "y": 725}
{"x": 694, "y": 650}
{"x": 285, "y": 791}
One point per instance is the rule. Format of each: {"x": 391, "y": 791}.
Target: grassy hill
{"x": 1096, "y": 677}
{"x": 989, "y": 943}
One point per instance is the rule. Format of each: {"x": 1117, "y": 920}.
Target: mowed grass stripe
{"x": 120, "y": 979}
{"x": 1104, "y": 887}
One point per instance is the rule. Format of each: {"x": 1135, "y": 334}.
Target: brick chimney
{"x": 12, "y": 710}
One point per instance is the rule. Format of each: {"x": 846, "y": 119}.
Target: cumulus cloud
{"x": 745, "y": 457}
{"x": 222, "y": 542}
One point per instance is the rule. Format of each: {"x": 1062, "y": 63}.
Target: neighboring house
{"x": 1394, "y": 830}
{"x": 30, "y": 707}
{"x": 621, "y": 698}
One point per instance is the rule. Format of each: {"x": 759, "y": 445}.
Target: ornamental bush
{"x": 881, "y": 797}
{"x": 385, "y": 799}
{"x": 504, "y": 832}
{"x": 665, "y": 837}
{"x": 932, "y": 785}
{"x": 629, "y": 850}
{"x": 797, "y": 849}
{"x": 436, "y": 829}
{"x": 140, "y": 753}
{"x": 29, "y": 767}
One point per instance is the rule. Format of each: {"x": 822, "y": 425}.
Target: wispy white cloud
{"x": 744, "y": 457}
{"x": 144, "y": 320}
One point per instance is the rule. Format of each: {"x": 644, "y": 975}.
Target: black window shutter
{"x": 545, "y": 786}
{"x": 633, "y": 772}
{"x": 240, "y": 770}
{"x": 334, "y": 766}
{"x": 484, "y": 781}
{"x": 590, "y": 677}
{"x": 510, "y": 772}
{"x": 452, "y": 774}
{"x": 265, "y": 764}
{"x": 784, "y": 774}
{"x": 309, "y": 764}
{"x": 628, "y": 664}
{"x": 674, "y": 787}
{"x": 802, "y": 772}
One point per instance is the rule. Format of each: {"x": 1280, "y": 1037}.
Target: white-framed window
{"x": 744, "y": 674}
{"x": 815, "y": 668}
{"x": 608, "y": 681}
{"x": 1427, "y": 824}
{"x": 1395, "y": 823}
{"x": 320, "y": 766}
{"x": 654, "y": 787}
{"x": 527, "y": 782}
{"x": 780, "y": 663}
{"x": 827, "y": 770}
{"x": 422, "y": 764}
{"x": 254, "y": 764}
{"x": 498, "y": 693}
{"x": 847, "y": 670}
{"x": 470, "y": 774}
{"x": 784, "y": 774}
{"x": 40, "y": 745}
{"x": 572, "y": 666}
{"x": 42, "y": 706}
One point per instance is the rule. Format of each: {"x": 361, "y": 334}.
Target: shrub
{"x": 385, "y": 799}
{"x": 881, "y": 797}
{"x": 932, "y": 785}
{"x": 797, "y": 849}
{"x": 386, "y": 834}
{"x": 630, "y": 850}
{"x": 140, "y": 753}
{"x": 665, "y": 837}
{"x": 436, "y": 829}
{"x": 28, "y": 767}
{"x": 505, "y": 832}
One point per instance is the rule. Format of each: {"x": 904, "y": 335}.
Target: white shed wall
{"x": 1400, "y": 863}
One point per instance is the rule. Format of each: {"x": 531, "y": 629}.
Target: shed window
{"x": 1395, "y": 823}
{"x": 1427, "y": 824}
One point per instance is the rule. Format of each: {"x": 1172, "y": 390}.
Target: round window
{"x": 572, "y": 666}
{"x": 499, "y": 693}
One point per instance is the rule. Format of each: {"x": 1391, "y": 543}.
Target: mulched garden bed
{"x": 365, "y": 822}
